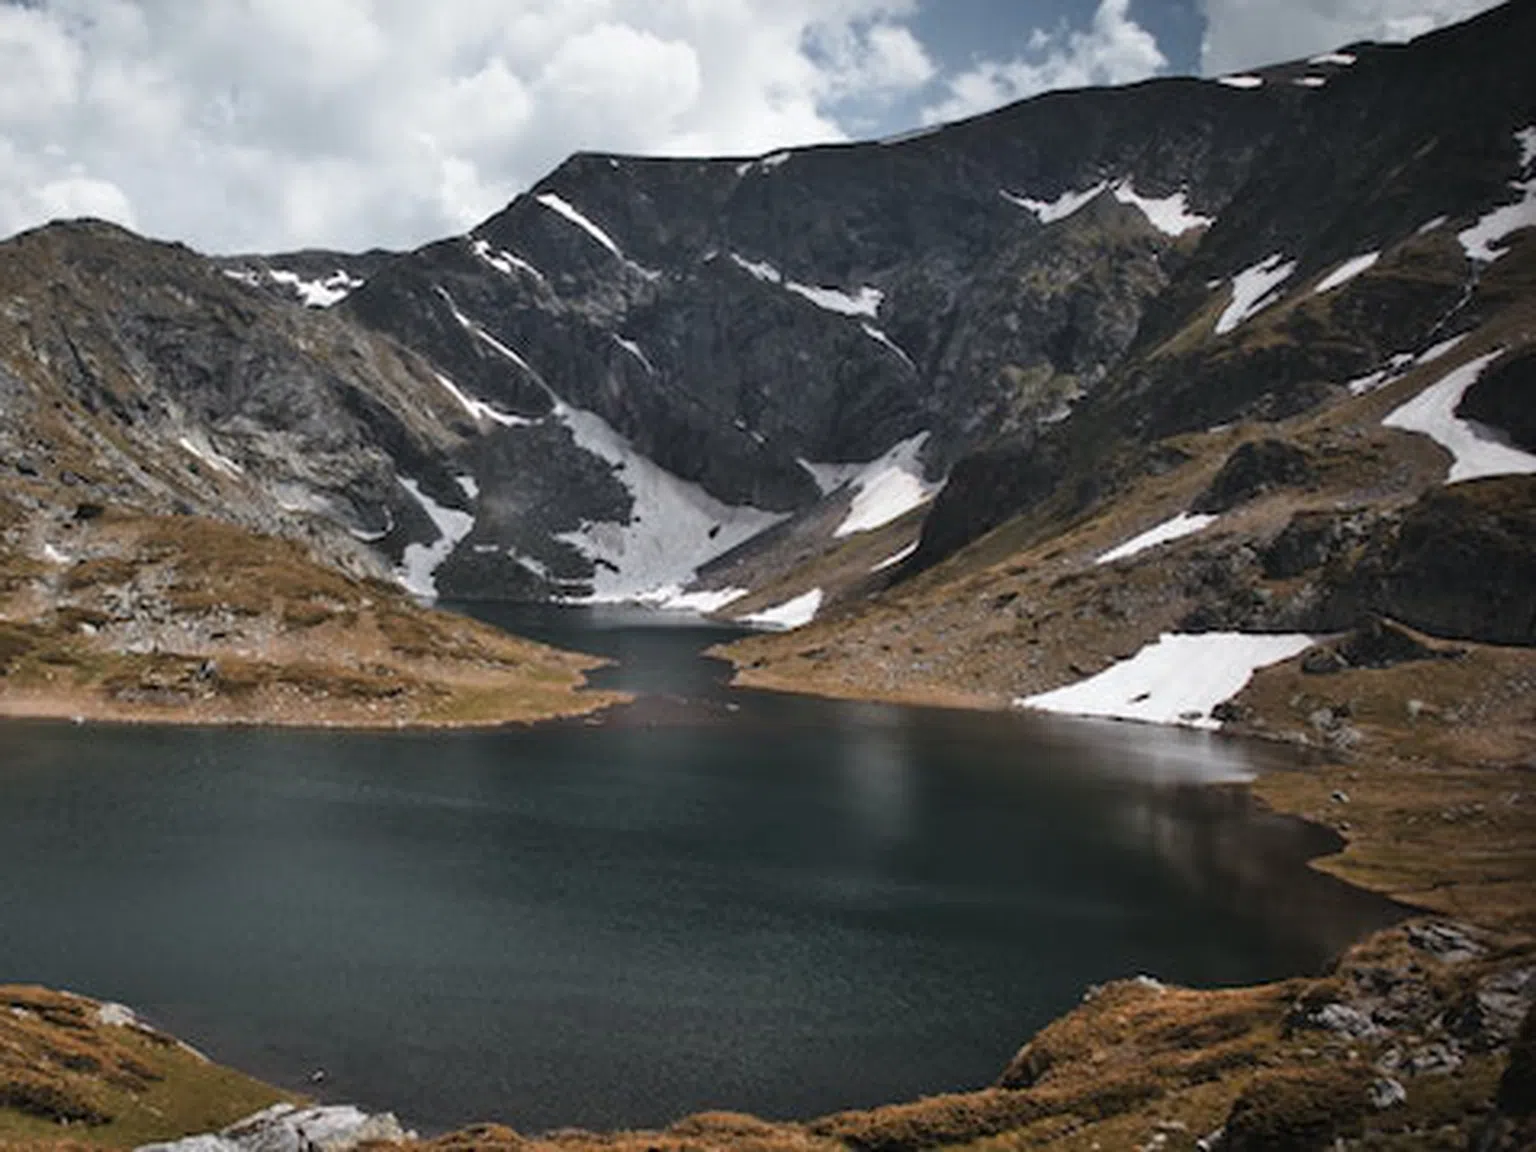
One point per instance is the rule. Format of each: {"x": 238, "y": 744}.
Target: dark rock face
{"x": 1463, "y": 563}
{"x": 1254, "y": 468}
{"x": 189, "y": 392}
{"x": 1376, "y": 644}
{"x": 1358, "y": 171}
{"x": 1459, "y": 563}
{"x": 1504, "y": 397}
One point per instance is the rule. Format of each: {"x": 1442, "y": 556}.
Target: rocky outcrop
{"x": 288, "y": 1128}
{"x": 1462, "y": 563}
{"x": 1254, "y": 468}
{"x": 1356, "y": 174}
{"x": 1504, "y": 398}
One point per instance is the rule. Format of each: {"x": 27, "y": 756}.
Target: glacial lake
{"x": 707, "y": 899}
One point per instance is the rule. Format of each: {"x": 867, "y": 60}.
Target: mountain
{"x": 711, "y": 382}
{"x": 195, "y": 473}
{"x": 1052, "y": 283}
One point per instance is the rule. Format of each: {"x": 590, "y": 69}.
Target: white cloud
{"x": 1113, "y": 49}
{"x": 83, "y": 196}
{"x": 262, "y": 125}
{"x": 1246, "y": 33}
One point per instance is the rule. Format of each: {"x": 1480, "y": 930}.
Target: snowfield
{"x": 675, "y": 526}
{"x": 887, "y": 488}
{"x": 1476, "y": 450}
{"x": 1176, "y": 528}
{"x": 1178, "y": 679}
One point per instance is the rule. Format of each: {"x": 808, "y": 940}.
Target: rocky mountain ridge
{"x": 639, "y": 368}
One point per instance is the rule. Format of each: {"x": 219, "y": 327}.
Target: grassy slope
{"x": 192, "y": 621}
{"x": 69, "y": 1080}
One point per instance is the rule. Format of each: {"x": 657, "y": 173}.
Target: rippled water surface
{"x": 706, "y": 899}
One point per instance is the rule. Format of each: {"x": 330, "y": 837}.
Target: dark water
{"x": 710, "y": 899}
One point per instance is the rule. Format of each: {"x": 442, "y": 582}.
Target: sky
{"x": 270, "y": 125}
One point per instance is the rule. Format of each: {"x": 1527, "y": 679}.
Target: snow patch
{"x": 1431, "y": 225}
{"x": 1168, "y": 214}
{"x": 1176, "y": 528}
{"x": 1310, "y": 81}
{"x": 1430, "y": 355}
{"x": 419, "y": 564}
{"x": 1481, "y": 241}
{"x": 1178, "y": 679}
{"x": 54, "y": 556}
{"x": 1253, "y": 290}
{"x": 507, "y": 263}
{"x": 887, "y": 488}
{"x": 479, "y": 409}
{"x": 374, "y": 537}
{"x": 1346, "y": 272}
{"x": 675, "y": 526}
{"x": 317, "y": 293}
{"x": 1344, "y": 58}
{"x": 1476, "y": 449}
{"x": 864, "y": 302}
{"x": 761, "y": 269}
{"x": 764, "y": 164}
{"x": 1243, "y": 81}
{"x": 791, "y": 614}
{"x": 1399, "y": 363}
{"x": 1050, "y": 211}
{"x": 897, "y": 558}
{"x": 198, "y": 446}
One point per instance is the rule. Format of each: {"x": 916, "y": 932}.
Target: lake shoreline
{"x": 1177, "y": 1031}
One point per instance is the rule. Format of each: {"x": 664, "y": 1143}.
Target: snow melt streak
{"x": 1476, "y": 450}
{"x": 1177, "y": 680}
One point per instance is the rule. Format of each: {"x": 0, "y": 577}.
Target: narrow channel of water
{"x": 708, "y": 899}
